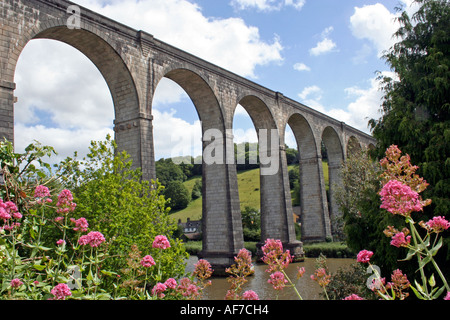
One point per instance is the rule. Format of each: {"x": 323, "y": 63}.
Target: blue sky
{"x": 323, "y": 53}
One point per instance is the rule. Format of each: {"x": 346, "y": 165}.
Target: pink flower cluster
{"x": 278, "y": 280}
{"x": 61, "y": 291}
{"x": 274, "y": 256}
{"x": 437, "y": 224}
{"x": 364, "y": 256}
{"x": 9, "y": 211}
{"x": 161, "y": 242}
{"x": 42, "y": 193}
{"x": 80, "y": 224}
{"x": 65, "y": 202}
{"x": 250, "y": 295}
{"x": 148, "y": 261}
{"x": 93, "y": 238}
{"x": 398, "y": 198}
{"x": 399, "y": 240}
{"x": 203, "y": 269}
{"x": 322, "y": 277}
{"x": 186, "y": 287}
{"x": 16, "y": 283}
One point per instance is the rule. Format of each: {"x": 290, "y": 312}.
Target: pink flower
{"x": 8, "y": 209}
{"x": 364, "y": 256}
{"x": 59, "y": 219}
{"x": 277, "y": 280}
{"x": 274, "y": 256}
{"x": 158, "y": 290}
{"x": 60, "y": 242}
{"x": 250, "y": 295}
{"x": 41, "y": 192}
{"x": 203, "y": 269}
{"x": 353, "y": 297}
{"x": 61, "y": 291}
{"x": 300, "y": 272}
{"x": 84, "y": 240}
{"x": 398, "y": 198}
{"x": 171, "y": 283}
{"x": 148, "y": 261}
{"x": 16, "y": 283}
{"x": 95, "y": 238}
{"x": 399, "y": 240}
{"x": 321, "y": 276}
{"x": 437, "y": 224}
{"x": 161, "y": 242}
{"x": 80, "y": 224}
{"x": 65, "y": 203}
{"x": 447, "y": 297}
{"x": 187, "y": 288}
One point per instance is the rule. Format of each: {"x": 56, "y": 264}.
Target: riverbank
{"x": 312, "y": 250}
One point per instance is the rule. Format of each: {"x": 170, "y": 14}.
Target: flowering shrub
{"x": 400, "y": 195}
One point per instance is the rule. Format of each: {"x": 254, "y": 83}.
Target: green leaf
{"x": 438, "y": 293}
{"x": 417, "y": 293}
{"x": 432, "y": 281}
{"x": 39, "y": 267}
{"x": 435, "y": 249}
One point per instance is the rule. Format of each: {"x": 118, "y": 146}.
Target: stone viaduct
{"x": 132, "y": 63}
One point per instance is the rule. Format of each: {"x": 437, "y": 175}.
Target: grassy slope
{"x": 248, "y": 183}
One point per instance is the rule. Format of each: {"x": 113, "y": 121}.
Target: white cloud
{"x": 365, "y": 104}
{"x": 63, "y": 140}
{"x": 174, "y": 136}
{"x": 216, "y": 40}
{"x": 267, "y": 5}
{"x": 325, "y": 45}
{"x": 376, "y": 24}
{"x": 301, "y": 67}
{"x": 311, "y": 90}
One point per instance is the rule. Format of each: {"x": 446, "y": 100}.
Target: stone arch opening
{"x": 221, "y": 220}
{"x": 111, "y": 66}
{"x": 313, "y": 205}
{"x": 107, "y": 60}
{"x": 335, "y": 155}
{"x": 62, "y": 99}
{"x": 275, "y": 206}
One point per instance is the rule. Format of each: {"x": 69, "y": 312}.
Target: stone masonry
{"x": 133, "y": 62}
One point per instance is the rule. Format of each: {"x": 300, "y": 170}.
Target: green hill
{"x": 249, "y": 195}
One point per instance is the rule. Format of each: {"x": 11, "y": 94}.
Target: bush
{"x": 45, "y": 241}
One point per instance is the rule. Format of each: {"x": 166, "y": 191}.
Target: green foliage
{"x": 347, "y": 281}
{"x": 167, "y": 171}
{"x": 362, "y": 221}
{"x": 177, "y": 195}
{"x": 416, "y": 105}
{"x": 197, "y": 190}
{"x": 116, "y": 201}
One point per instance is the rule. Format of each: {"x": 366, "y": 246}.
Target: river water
{"x": 308, "y": 289}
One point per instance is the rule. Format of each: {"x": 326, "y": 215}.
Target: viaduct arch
{"x": 133, "y": 62}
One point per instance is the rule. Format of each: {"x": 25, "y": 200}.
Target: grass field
{"x": 249, "y": 195}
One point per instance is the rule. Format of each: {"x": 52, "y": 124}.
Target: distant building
{"x": 191, "y": 229}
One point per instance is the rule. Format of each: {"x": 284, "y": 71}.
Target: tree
{"x": 416, "y": 104}
{"x": 167, "y": 171}
{"x": 197, "y": 189}
{"x": 116, "y": 201}
{"x": 362, "y": 221}
{"x": 177, "y": 194}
